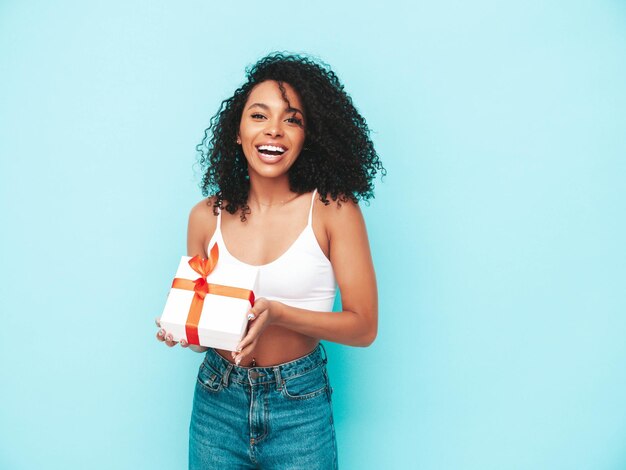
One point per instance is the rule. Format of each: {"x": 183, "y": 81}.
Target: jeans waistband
{"x": 262, "y": 375}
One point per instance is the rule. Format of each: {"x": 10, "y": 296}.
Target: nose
{"x": 274, "y": 128}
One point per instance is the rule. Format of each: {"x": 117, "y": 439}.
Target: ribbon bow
{"x": 202, "y": 287}
{"x": 204, "y": 267}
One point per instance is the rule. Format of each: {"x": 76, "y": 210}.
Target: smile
{"x": 271, "y": 151}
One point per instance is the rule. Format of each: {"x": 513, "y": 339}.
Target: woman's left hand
{"x": 259, "y": 317}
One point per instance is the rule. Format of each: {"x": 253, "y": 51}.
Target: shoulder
{"x": 202, "y": 215}
{"x": 201, "y": 227}
{"x": 339, "y": 208}
{"x": 203, "y": 209}
{"x": 339, "y": 214}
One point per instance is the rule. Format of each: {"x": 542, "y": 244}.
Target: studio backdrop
{"x": 498, "y": 233}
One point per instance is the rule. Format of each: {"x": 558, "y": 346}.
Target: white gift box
{"x": 223, "y": 319}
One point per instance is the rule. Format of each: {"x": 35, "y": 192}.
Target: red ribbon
{"x": 201, "y": 288}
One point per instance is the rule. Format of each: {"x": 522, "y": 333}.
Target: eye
{"x": 257, "y": 116}
{"x": 295, "y": 120}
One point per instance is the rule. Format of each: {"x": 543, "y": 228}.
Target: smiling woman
{"x": 286, "y": 144}
{"x": 271, "y": 132}
{"x": 338, "y": 157}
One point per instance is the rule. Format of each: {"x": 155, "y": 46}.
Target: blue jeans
{"x": 276, "y": 417}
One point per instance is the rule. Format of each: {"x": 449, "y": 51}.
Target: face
{"x": 271, "y": 131}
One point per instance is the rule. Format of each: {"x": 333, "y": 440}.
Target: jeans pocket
{"x": 209, "y": 378}
{"x": 306, "y": 386}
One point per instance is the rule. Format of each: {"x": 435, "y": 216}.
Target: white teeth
{"x": 271, "y": 148}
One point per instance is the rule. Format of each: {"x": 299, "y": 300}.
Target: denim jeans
{"x": 276, "y": 417}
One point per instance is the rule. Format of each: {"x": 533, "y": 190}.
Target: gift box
{"x": 209, "y": 301}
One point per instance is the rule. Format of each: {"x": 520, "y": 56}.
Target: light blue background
{"x": 498, "y": 234}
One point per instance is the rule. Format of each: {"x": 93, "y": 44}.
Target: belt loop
{"x": 325, "y": 353}
{"x": 227, "y": 375}
{"x": 279, "y": 380}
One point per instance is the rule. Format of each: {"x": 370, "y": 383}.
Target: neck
{"x": 270, "y": 192}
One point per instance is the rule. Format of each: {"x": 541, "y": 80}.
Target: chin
{"x": 269, "y": 171}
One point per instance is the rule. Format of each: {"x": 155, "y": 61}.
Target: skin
{"x": 278, "y": 333}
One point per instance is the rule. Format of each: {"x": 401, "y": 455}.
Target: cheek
{"x": 298, "y": 139}
{"x": 243, "y": 133}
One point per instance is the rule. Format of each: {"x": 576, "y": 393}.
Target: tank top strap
{"x": 219, "y": 220}
{"x": 311, "y": 209}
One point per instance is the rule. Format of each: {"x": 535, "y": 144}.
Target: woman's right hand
{"x": 165, "y": 337}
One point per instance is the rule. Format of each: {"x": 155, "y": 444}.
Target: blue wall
{"x": 498, "y": 234}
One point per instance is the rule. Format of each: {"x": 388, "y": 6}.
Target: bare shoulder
{"x": 203, "y": 213}
{"x": 339, "y": 215}
{"x": 202, "y": 224}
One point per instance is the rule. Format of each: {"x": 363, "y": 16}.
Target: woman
{"x": 287, "y": 158}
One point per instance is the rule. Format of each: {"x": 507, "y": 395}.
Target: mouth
{"x": 271, "y": 153}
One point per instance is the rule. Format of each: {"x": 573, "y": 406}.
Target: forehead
{"x": 269, "y": 93}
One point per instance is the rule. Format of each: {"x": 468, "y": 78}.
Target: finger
{"x": 253, "y": 332}
{"x": 250, "y": 336}
{"x": 157, "y": 321}
{"x": 169, "y": 340}
{"x": 246, "y": 344}
{"x": 161, "y": 335}
{"x": 251, "y": 315}
{"x": 245, "y": 352}
{"x": 259, "y": 306}
{"x": 183, "y": 343}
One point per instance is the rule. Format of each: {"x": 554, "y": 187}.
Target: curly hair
{"x": 338, "y": 158}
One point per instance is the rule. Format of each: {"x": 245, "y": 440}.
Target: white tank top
{"x": 301, "y": 277}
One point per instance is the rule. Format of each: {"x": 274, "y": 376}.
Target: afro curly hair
{"x": 338, "y": 158}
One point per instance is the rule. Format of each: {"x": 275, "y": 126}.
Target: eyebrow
{"x": 266, "y": 107}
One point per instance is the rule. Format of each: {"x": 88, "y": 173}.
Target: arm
{"x": 202, "y": 224}
{"x": 200, "y": 228}
{"x": 352, "y": 263}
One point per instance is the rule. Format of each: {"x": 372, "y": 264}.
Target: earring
{"x": 238, "y": 141}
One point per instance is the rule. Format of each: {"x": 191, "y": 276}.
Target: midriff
{"x": 276, "y": 345}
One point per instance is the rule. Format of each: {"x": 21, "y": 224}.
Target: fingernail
{"x": 183, "y": 343}
{"x": 156, "y": 320}
{"x": 161, "y": 332}
{"x": 169, "y": 338}
{"x": 237, "y": 361}
{"x": 250, "y": 316}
